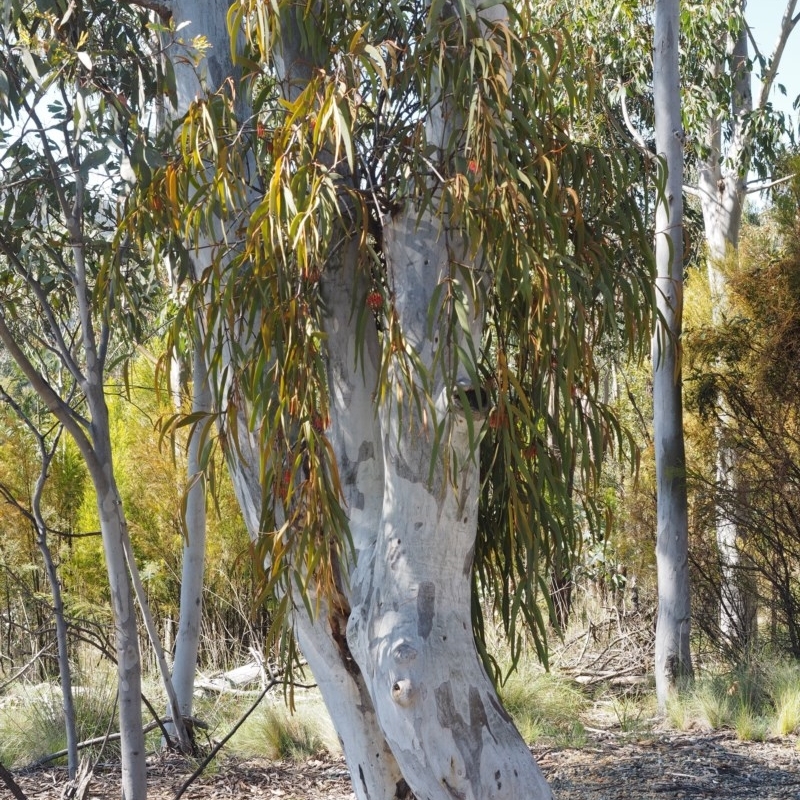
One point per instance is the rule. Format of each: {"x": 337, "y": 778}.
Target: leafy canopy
{"x": 549, "y": 217}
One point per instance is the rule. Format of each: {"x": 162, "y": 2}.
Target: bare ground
{"x": 661, "y": 766}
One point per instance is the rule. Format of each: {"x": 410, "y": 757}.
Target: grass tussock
{"x": 545, "y": 706}
{"x": 32, "y": 724}
{"x": 276, "y": 733}
{"x": 757, "y": 699}
{"x": 785, "y": 692}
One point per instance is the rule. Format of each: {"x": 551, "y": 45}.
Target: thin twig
{"x": 29, "y": 664}
{"x": 219, "y": 745}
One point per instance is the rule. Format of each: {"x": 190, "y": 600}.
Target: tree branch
{"x": 60, "y": 410}
{"x": 63, "y": 352}
{"x": 636, "y": 137}
{"x": 754, "y": 44}
{"x": 761, "y": 186}
{"x": 12, "y": 785}
{"x": 788, "y": 24}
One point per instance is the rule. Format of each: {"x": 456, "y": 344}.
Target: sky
{"x": 764, "y": 17}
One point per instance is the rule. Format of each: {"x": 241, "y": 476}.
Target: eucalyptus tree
{"x": 735, "y": 136}
{"x": 423, "y": 259}
{"x": 673, "y": 656}
{"x": 74, "y": 80}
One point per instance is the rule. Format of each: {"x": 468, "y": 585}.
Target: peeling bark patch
{"x": 405, "y": 471}
{"x": 366, "y": 451}
{"x": 394, "y": 553}
{"x": 402, "y": 791}
{"x": 349, "y": 471}
{"x": 426, "y": 600}
{"x": 338, "y": 627}
{"x": 477, "y": 713}
{"x": 467, "y": 735}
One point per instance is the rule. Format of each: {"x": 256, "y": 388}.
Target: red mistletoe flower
{"x": 375, "y": 301}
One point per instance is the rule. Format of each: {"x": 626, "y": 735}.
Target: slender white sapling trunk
{"x": 673, "y": 657}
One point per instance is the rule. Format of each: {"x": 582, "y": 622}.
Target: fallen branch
{"x": 224, "y": 688}
{"x": 113, "y": 737}
{"x": 620, "y": 676}
{"x": 9, "y": 781}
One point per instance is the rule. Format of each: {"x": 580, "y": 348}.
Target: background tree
{"x": 744, "y": 369}
{"x": 673, "y": 656}
{"x": 732, "y": 145}
{"x": 70, "y": 83}
{"x": 31, "y": 508}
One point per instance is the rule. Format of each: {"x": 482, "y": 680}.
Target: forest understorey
{"x": 610, "y": 766}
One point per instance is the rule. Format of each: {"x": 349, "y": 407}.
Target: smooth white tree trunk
{"x": 410, "y": 629}
{"x": 194, "y": 553}
{"x": 195, "y": 19}
{"x": 114, "y": 532}
{"x": 673, "y": 658}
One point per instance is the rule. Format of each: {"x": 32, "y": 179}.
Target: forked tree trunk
{"x": 673, "y": 658}
{"x": 95, "y": 447}
{"x": 406, "y": 689}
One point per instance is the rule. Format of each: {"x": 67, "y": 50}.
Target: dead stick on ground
{"x": 110, "y": 737}
{"x": 9, "y": 781}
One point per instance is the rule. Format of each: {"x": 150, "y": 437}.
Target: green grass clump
{"x": 545, "y": 706}
{"x": 712, "y": 705}
{"x": 634, "y": 712}
{"x": 32, "y": 722}
{"x": 784, "y": 683}
{"x": 749, "y": 726}
{"x": 679, "y": 712}
{"x": 274, "y": 732}
{"x": 758, "y": 698}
